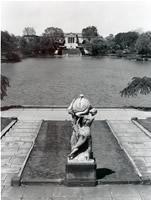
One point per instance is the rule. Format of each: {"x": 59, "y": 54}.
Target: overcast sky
{"x": 108, "y": 17}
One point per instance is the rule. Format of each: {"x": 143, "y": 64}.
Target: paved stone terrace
{"x": 101, "y": 192}
{"x": 136, "y": 143}
{"x": 15, "y": 150}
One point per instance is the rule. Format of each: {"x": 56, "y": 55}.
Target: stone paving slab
{"x": 106, "y": 192}
{"x": 14, "y": 150}
{"x": 137, "y": 144}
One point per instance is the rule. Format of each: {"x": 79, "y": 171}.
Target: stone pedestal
{"x": 80, "y": 173}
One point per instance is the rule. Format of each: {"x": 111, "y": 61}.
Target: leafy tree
{"x": 29, "y": 41}
{"x": 55, "y": 33}
{"x": 89, "y": 32}
{"x": 25, "y": 46}
{"x": 29, "y": 31}
{"x": 143, "y": 43}
{"x": 110, "y": 42}
{"x": 126, "y": 40}
{"x": 51, "y": 40}
{"x": 137, "y": 85}
{"x": 47, "y": 45}
{"x": 29, "y": 44}
{"x": 4, "y": 84}
{"x": 8, "y": 42}
{"x": 131, "y": 38}
{"x": 9, "y": 46}
{"x": 99, "y": 46}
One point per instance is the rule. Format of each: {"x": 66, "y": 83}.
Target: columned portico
{"x": 72, "y": 40}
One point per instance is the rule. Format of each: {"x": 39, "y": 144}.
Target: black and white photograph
{"x": 75, "y": 100}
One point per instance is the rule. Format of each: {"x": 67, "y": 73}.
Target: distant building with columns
{"x": 72, "y": 40}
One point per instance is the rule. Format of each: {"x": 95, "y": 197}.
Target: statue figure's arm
{"x": 75, "y": 148}
{"x": 88, "y": 120}
{"x": 70, "y": 111}
{"x": 72, "y": 152}
{"x": 91, "y": 119}
{"x": 82, "y": 113}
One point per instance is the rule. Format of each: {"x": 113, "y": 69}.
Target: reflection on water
{"x": 55, "y": 81}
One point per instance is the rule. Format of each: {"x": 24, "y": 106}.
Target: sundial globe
{"x": 80, "y": 104}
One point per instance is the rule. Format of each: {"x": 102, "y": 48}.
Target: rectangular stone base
{"x": 80, "y": 173}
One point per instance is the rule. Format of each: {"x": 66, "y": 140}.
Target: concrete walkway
{"x": 16, "y": 144}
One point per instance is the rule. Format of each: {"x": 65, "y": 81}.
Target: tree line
{"x": 122, "y": 43}
{"x": 53, "y": 38}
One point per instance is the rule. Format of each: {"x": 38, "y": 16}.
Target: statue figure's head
{"x": 81, "y": 104}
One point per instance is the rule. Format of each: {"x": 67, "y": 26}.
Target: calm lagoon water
{"x": 56, "y": 81}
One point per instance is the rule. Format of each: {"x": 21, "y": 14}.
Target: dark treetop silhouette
{"x": 138, "y": 85}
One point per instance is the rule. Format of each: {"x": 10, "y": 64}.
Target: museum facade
{"x": 72, "y": 40}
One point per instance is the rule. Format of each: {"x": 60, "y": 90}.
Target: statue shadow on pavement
{"x": 102, "y": 172}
